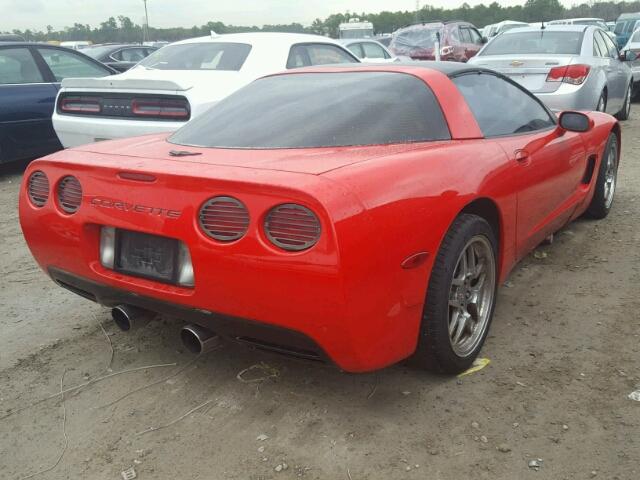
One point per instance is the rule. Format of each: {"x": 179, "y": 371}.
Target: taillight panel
{"x": 572, "y": 74}
{"x": 160, "y": 108}
{"x": 292, "y": 227}
{"x": 136, "y": 107}
{"x": 38, "y": 189}
{"x": 223, "y": 218}
{"x": 69, "y": 193}
{"x": 80, "y": 105}
{"x": 288, "y": 226}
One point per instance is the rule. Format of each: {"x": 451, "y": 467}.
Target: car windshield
{"x": 320, "y": 110}
{"x": 96, "y": 52}
{"x": 542, "y": 42}
{"x": 423, "y": 37}
{"x": 199, "y": 56}
{"x": 356, "y": 33}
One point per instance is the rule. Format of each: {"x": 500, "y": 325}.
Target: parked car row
{"x": 567, "y": 66}
{"x": 181, "y": 81}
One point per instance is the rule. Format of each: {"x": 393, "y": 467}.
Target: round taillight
{"x": 292, "y": 227}
{"x": 225, "y": 219}
{"x": 38, "y": 188}
{"x": 69, "y": 194}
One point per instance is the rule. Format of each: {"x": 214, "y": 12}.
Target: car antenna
{"x": 542, "y": 27}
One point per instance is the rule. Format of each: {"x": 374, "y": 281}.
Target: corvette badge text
{"x": 102, "y": 202}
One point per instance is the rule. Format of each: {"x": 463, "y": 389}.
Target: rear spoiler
{"x": 128, "y": 83}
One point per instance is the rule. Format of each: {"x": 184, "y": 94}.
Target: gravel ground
{"x": 564, "y": 351}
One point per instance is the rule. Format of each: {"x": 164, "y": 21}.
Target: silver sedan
{"x": 568, "y": 67}
{"x": 634, "y": 45}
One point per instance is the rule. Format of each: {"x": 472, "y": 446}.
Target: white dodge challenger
{"x": 179, "y": 82}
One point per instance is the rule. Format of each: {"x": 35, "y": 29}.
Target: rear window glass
{"x": 199, "y": 56}
{"x": 422, "y": 37}
{"x": 320, "y": 110}
{"x": 542, "y": 42}
{"x": 96, "y": 52}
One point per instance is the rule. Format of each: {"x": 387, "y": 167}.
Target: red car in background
{"x": 459, "y": 41}
{"x": 359, "y": 214}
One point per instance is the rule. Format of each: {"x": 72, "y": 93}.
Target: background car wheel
{"x": 624, "y": 113}
{"x": 460, "y": 297}
{"x": 606, "y": 182}
{"x": 602, "y": 102}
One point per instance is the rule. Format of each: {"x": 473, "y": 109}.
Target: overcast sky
{"x": 37, "y": 14}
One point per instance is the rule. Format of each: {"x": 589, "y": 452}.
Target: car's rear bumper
{"x": 343, "y": 293}
{"x": 81, "y": 130}
{"x": 259, "y": 335}
{"x": 571, "y": 97}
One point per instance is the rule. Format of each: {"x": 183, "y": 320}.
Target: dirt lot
{"x": 564, "y": 351}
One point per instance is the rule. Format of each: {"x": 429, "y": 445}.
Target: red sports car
{"x": 359, "y": 215}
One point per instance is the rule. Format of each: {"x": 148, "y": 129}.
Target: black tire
{"x": 600, "y": 205}
{"x": 602, "y": 100}
{"x": 625, "y": 112}
{"x": 435, "y": 351}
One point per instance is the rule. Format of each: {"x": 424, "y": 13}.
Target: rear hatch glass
{"x": 542, "y": 42}
{"x": 321, "y": 110}
{"x": 199, "y": 56}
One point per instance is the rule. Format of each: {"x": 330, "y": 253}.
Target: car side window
{"x": 68, "y": 64}
{"x": 455, "y": 34}
{"x": 17, "y": 66}
{"x": 598, "y": 45}
{"x": 132, "y": 54}
{"x": 371, "y": 50}
{"x": 356, "y": 49}
{"x": 611, "y": 47}
{"x": 465, "y": 36}
{"x": 306, "y": 54}
{"x": 483, "y": 91}
{"x": 475, "y": 36}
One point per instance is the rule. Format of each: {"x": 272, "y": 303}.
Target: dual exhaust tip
{"x": 195, "y": 338}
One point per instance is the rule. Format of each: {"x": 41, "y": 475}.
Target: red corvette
{"x": 359, "y": 215}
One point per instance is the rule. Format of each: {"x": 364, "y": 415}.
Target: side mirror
{"x": 628, "y": 56}
{"x": 575, "y": 122}
{"x": 485, "y": 39}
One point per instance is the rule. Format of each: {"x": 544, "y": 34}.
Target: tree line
{"x": 123, "y": 29}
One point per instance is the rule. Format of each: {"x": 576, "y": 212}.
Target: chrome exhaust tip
{"x": 198, "y": 339}
{"x": 129, "y": 318}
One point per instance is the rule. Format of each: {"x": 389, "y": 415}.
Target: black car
{"x": 118, "y": 56}
{"x": 30, "y": 76}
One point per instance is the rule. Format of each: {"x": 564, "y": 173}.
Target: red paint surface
{"x": 378, "y": 205}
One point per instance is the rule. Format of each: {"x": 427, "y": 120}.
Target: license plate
{"x": 148, "y": 256}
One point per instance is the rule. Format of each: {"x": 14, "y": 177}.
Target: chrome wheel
{"x": 610, "y": 174}
{"x": 471, "y": 295}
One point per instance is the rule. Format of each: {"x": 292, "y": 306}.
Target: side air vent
{"x": 588, "y": 173}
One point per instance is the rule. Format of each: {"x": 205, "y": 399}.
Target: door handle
{"x": 521, "y": 156}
